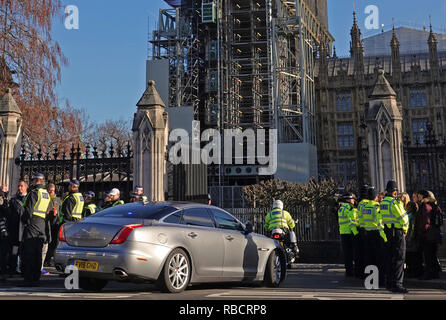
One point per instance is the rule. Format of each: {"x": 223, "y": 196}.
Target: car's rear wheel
{"x": 91, "y": 284}
{"x": 176, "y": 272}
{"x": 275, "y": 269}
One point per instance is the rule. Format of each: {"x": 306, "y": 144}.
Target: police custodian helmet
{"x": 348, "y": 195}
{"x": 391, "y": 186}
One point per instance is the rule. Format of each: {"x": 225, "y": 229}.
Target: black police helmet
{"x": 364, "y": 191}
{"x": 75, "y": 183}
{"x": 391, "y": 186}
{"x": 371, "y": 193}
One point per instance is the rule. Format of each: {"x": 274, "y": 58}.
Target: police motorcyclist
{"x": 35, "y": 210}
{"x": 73, "y": 204}
{"x": 279, "y": 218}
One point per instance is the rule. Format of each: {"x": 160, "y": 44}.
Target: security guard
{"x": 140, "y": 191}
{"x": 364, "y": 201}
{"x": 374, "y": 236}
{"x": 396, "y": 224}
{"x": 35, "y": 208}
{"x": 135, "y": 197}
{"x": 113, "y": 198}
{"x": 279, "y": 218}
{"x": 90, "y": 207}
{"x": 73, "y": 204}
{"x": 348, "y": 231}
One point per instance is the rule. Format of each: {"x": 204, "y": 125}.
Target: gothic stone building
{"x": 343, "y": 91}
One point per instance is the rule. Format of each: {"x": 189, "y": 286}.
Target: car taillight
{"x": 62, "y": 235}
{"x": 123, "y": 233}
{"x": 276, "y": 236}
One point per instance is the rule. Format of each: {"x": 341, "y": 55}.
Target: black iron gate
{"x": 97, "y": 170}
{"x": 425, "y": 164}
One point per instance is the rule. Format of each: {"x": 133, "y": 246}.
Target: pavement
{"x": 323, "y": 269}
{"x": 318, "y": 271}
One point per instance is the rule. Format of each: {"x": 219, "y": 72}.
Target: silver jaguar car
{"x": 170, "y": 243}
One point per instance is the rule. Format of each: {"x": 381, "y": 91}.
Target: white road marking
{"x": 305, "y": 295}
{"x": 62, "y": 293}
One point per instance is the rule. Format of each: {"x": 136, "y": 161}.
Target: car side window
{"x": 197, "y": 217}
{"x": 224, "y": 220}
{"x": 173, "y": 218}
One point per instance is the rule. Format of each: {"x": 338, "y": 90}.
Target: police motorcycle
{"x": 286, "y": 239}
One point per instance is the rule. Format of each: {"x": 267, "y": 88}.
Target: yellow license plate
{"x": 87, "y": 265}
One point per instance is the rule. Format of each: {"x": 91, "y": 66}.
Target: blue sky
{"x": 106, "y": 72}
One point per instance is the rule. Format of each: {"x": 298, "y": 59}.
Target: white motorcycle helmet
{"x": 278, "y": 204}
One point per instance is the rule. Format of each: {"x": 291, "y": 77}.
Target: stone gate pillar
{"x": 384, "y": 135}
{"x": 150, "y": 139}
{"x": 10, "y": 141}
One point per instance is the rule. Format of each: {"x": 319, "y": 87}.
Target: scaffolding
{"x": 176, "y": 39}
{"x": 250, "y": 67}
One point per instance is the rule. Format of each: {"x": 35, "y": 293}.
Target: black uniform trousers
{"x": 395, "y": 251}
{"x": 348, "y": 248}
{"x": 4, "y": 255}
{"x": 32, "y": 259}
{"x": 373, "y": 252}
{"x": 359, "y": 254}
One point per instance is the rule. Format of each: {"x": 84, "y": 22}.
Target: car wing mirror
{"x": 248, "y": 227}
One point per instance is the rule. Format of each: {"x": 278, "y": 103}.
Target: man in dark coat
{"x": 14, "y": 229}
{"x": 4, "y": 236}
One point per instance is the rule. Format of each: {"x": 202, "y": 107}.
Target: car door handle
{"x": 230, "y": 238}
{"x": 193, "y": 235}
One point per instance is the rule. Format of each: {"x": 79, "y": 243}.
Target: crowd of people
{"x": 397, "y": 233}
{"x": 31, "y": 219}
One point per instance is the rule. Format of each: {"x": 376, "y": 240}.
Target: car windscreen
{"x": 137, "y": 211}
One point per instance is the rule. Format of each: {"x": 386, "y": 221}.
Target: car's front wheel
{"x": 275, "y": 270}
{"x": 176, "y": 272}
{"x": 91, "y": 284}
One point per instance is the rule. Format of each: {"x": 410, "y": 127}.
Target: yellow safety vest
{"x": 360, "y": 217}
{"x": 92, "y": 207}
{"x": 393, "y": 213}
{"x": 117, "y": 203}
{"x": 346, "y": 219}
{"x": 42, "y": 204}
{"x": 372, "y": 218}
{"x": 279, "y": 218}
{"x": 79, "y": 207}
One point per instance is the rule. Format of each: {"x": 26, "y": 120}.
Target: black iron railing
{"x": 97, "y": 170}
